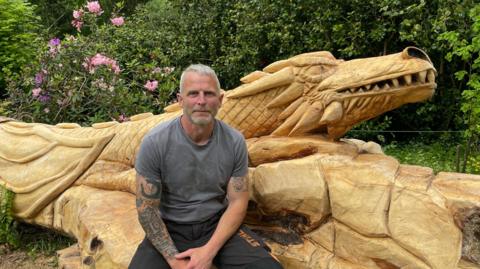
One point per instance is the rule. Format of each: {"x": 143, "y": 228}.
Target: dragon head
{"x": 325, "y": 95}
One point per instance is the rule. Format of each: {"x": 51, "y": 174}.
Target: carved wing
{"x": 27, "y": 152}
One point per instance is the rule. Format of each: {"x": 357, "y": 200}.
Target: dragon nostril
{"x": 413, "y": 52}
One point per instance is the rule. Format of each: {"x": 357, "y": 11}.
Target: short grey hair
{"x": 202, "y": 70}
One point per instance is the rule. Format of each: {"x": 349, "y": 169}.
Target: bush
{"x": 114, "y": 72}
{"x": 57, "y": 15}
{"x": 18, "y": 37}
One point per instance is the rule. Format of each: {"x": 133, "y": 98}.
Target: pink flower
{"x": 99, "y": 59}
{"x": 36, "y": 92}
{"x": 151, "y": 85}
{"x": 77, "y": 24}
{"x": 46, "y": 110}
{"x": 94, "y": 7}
{"x": 78, "y": 14}
{"x": 118, "y": 21}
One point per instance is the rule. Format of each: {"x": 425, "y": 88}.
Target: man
{"x": 192, "y": 189}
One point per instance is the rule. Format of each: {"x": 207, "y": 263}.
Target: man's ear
{"x": 222, "y": 94}
{"x": 179, "y": 99}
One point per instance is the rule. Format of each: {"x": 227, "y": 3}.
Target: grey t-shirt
{"x": 194, "y": 178}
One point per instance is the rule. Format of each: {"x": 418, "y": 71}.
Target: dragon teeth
{"x": 367, "y": 87}
{"x": 376, "y": 88}
{"x": 422, "y": 76}
{"x": 431, "y": 76}
{"x": 395, "y": 83}
{"x": 386, "y": 86}
{"x": 408, "y": 79}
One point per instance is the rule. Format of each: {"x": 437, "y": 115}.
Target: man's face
{"x": 200, "y": 99}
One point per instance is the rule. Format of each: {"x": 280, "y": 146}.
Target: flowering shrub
{"x": 112, "y": 73}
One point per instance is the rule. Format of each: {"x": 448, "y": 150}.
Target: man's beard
{"x": 201, "y": 121}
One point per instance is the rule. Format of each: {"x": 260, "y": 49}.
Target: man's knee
{"x": 265, "y": 263}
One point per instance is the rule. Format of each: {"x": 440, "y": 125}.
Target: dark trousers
{"x": 243, "y": 250}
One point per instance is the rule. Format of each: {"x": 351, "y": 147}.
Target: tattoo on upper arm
{"x": 148, "y": 201}
{"x": 239, "y": 184}
{"x": 151, "y": 189}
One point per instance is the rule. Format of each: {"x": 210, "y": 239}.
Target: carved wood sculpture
{"x": 320, "y": 203}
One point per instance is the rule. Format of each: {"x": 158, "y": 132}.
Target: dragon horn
{"x": 293, "y": 91}
{"x": 290, "y": 109}
{"x": 290, "y": 122}
{"x": 333, "y": 112}
{"x": 309, "y": 121}
{"x": 277, "y": 66}
{"x": 280, "y": 78}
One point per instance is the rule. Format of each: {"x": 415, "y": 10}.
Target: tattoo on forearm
{"x": 148, "y": 201}
{"x": 239, "y": 184}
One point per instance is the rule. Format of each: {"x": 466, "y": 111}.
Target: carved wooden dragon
{"x": 80, "y": 180}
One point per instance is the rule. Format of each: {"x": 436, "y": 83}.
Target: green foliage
{"x": 96, "y": 77}
{"x": 440, "y": 156}
{"x": 464, "y": 45}
{"x": 4, "y": 108}
{"x": 473, "y": 163}
{"x": 8, "y": 232}
{"x": 18, "y": 37}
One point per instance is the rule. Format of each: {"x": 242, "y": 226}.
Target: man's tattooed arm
{"x": 148, "y": 200}
{"x": 239, "y": 184}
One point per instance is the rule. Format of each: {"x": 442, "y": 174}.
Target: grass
{"x": 439, "y": 155}
{"x": 36, "y": 241}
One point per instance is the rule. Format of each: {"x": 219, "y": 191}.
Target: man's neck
{"x": 200, "y": 134}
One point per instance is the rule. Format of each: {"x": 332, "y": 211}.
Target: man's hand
{"x": 200, "y": 258}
